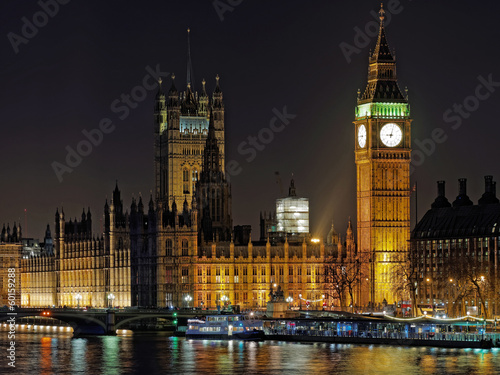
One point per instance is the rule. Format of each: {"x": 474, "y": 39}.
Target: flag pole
{"x": 416, "y": 204}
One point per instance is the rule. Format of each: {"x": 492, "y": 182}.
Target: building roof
{"x": 459, "y": 222}
{"x": 382, "y": 79}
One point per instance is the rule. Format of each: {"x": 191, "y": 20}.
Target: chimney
{"x": 489, "y": 196}
{"x": 441, "y": 200}
{"x": 441, "y": 185}
{"x": 462, "y": 182}
{"x": 462, "y": 198}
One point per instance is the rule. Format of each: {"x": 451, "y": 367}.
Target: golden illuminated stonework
{"x": 382, "y": 152}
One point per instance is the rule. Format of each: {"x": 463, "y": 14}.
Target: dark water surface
{"x": 59, "y": 353}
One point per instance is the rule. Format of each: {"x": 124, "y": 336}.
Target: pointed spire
{"x": 151, "y": 203}
{"x": 211, "y": 125}
{"x": 382, "y": 51}
{"x": 217, "y": 87}
{"x": 193, "y": 202}
{"x": 141, "y": 205}
{"x": 382, "y": 83}
{"x": 173, "y": 89}
{"x": 291, "y": 189}
{"x": 160, "y": 94}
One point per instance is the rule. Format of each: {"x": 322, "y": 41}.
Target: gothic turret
{"x": 213, "y": 192}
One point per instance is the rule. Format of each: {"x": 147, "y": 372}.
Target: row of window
{"x": 169, "y": 247}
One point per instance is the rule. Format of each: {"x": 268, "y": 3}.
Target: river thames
{"x": 60, "y": 353}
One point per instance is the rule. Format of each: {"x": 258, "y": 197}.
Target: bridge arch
{"x": 140, "y": 317}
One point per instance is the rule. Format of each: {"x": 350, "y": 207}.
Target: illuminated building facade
{"x": 382, "y": 153}
{"x": 456, "y": 244}
{"x": 160, "y": 254}
{"x": 83, "y": 269}
{"x": 10, "y": 256}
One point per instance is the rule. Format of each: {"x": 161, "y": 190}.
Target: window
{"x": 185, "y": 248}
{"x": 185, "y": 180}
{"x": 194, "y": 178}
{"x": 169, "y": 299}
{"x": 217, "y": 275}
{"x": 200, "y": 275}
{"x": 168, "y": 276}
{"x": 185, "y": 275}
{"x": 168, "y": 248}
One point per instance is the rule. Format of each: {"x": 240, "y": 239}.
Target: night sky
{"x": 269, "y": 55}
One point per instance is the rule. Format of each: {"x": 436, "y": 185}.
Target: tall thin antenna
{"x": 190, "y": 75}
{"x": 26, "y": 223}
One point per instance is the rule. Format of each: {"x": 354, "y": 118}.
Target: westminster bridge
{"x": 100, "y": 321}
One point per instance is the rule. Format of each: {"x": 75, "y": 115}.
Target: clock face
{"x": 362, "y": 136}
{"x": 391, "y": 135}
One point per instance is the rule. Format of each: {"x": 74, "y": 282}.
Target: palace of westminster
{"x": 182, "y": 247}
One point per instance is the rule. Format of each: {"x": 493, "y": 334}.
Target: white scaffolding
{"x": 292, "y": 215}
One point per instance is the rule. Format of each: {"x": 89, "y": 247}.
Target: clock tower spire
{"x": 382, "y": 153}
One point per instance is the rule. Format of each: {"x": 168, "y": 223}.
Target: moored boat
{"x": 225, "y": 327}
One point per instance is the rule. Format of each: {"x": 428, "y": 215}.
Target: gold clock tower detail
{"x": 383, "y": 151}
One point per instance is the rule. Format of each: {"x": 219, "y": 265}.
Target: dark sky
{"x": 269, "y": 54}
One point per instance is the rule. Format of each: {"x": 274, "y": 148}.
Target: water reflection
{"x": 49, "y": 353}
{"x": 78, "y": 355}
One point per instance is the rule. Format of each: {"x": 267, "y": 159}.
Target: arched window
{"x": 185, "y": 180}
{"x": 185, "y": 248}
{"x": 194, "y": 178}
{"x": 168, "y": 248}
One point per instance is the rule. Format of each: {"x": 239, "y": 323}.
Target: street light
{"x": 300, "y": 301}
{"x": 289, "y": 299}
{"x": 188, "y": 299}
{"x": 225, "y": 300}
{"x": 78, "y": 298}
{"x": 111, "y": 298}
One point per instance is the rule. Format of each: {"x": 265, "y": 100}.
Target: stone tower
{"x": 382, "y": 153}
{"x": 181, "y": 129}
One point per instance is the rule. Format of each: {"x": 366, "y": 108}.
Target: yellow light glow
{"x": 315, "y": 240}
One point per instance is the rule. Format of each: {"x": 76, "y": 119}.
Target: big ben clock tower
{"x": 382, "y": 151}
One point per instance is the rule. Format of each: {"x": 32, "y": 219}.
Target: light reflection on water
{"x": 47, "y": 353}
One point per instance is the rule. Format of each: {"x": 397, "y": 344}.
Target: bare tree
{"x": 467, "y": 279}
{"x": 342, "y": 279}
{"x": 335, "y": 284}
{"x": 405, "y": 279}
